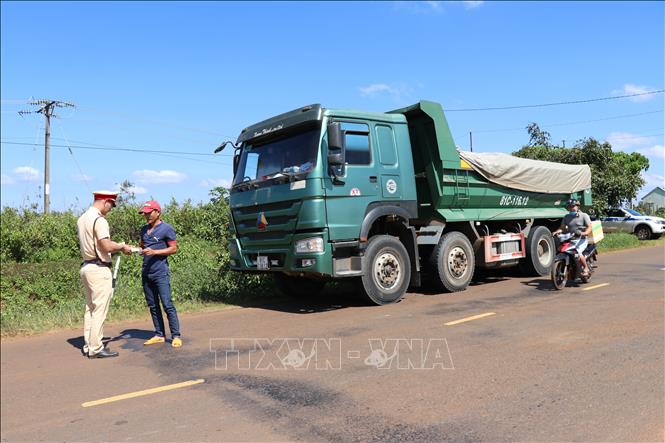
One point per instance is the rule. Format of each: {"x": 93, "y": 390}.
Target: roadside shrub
{"x": 35, "y": 238}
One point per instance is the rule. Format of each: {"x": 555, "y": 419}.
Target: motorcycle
{"x": 567, "y": 267}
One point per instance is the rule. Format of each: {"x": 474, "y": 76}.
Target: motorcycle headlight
{"x": 307, "y": 245}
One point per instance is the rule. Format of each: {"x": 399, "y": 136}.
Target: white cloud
{"x": 433, "y": 6}
{"x": 164, "y": 176}
{"x": 138, "y": 190}
{"x": 6, "y": 180}
{"x": 420, "y": 7}
{"x": 629, "y": 89}
{"x": 472, "y": 4}
{"x": 625, "y": 140}
{"x": 397, "y": 92}
{"x": 27, "y": 173}
{"x": 652, "y": 180}
{"x": 215, "y": 182}
{"x": 374, "y": 89}
{"x": 657, "y": 151}
{"x": 81, "y": 178}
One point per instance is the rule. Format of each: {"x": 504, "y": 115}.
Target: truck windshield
{"x": 275, "y": 158}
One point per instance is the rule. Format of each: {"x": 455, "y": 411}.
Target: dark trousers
{"x": 158, "y": 288}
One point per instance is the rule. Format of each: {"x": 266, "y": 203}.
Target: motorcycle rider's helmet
{"x": 572, "y": 202}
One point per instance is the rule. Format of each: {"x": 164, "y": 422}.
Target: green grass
{"x": 39, "y": 297}
{"x": 69, "y": 314}
{"x": 622, "y": 240}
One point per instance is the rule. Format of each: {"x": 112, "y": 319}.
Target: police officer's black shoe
{"x": 104, "y": 353}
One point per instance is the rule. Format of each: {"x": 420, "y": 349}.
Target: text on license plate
{"x": 262, "y": 262}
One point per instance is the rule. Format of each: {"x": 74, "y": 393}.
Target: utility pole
{"x": 47, "y": 107}
{"x": 471, "y": 140}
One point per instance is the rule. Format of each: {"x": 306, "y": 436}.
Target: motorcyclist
{"x": 578, "y": 223}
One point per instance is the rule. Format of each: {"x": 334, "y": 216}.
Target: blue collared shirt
{"x": 159, "y": 238}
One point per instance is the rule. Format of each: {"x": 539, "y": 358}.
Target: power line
{"x": 84, "y": 177}
{"x": 542, "y": 105}
{"x": 549, "y": 125}
{"x": 171, "y": 154}
{"x": 117, "y": 148}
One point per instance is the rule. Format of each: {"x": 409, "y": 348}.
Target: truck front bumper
{"x": 283, "y": 258}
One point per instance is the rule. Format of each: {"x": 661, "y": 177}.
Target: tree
{"x": 126, "y": 193}
{"x": 537, "y": 137}
{"x": 616, "y": 177}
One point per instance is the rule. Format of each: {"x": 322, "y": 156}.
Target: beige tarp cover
{"x": 529, "y": 175}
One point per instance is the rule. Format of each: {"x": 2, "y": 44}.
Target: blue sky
{"x": 185, "y": 76}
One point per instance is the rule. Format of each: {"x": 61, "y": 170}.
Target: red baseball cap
{"x": 149, "y": 206}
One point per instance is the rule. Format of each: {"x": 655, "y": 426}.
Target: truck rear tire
{"x": 298, "y": 287}
{"x": 540, "y": 252}
{"x": 387, "y": 270}
{"x": 453, "y": 262}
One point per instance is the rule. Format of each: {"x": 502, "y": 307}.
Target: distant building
{"x": 655, "y": 199}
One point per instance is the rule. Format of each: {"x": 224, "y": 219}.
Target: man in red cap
{"x": 158, "y": 241}
{"x": 96, "y": 249}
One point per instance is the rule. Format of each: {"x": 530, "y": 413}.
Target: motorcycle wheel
{"x": 559, "y": 274}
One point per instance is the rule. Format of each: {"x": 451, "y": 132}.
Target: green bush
{"x": 40, "y": 285}
{"x": 28, "y": 237}
{"x": 622, "y": 240}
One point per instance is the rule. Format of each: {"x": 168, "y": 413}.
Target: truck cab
{"x": 309, "y": 186}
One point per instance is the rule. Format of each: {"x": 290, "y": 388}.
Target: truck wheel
{"x": 643, "y": 232}
{"x": 299, "y": 287}
{"x": 454, "y": 262}
{"x": 387, "y": 270}
{"x": 540, "y": 252}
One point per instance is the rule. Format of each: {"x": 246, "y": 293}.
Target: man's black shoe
{"x": 104, "y": 353}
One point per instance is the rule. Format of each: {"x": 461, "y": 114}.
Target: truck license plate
{"x": 262, "y": 263}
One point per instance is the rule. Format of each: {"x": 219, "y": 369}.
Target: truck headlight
{"x": 233, "y": 249}
{"x": 314, "y": 244}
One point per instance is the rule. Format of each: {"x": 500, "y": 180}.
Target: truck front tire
{"x": 453, "y": 262}
{"x": 387, "y": 270}
{"x": 540, "y": 252}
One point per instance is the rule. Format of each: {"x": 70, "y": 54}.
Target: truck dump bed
{"x": 471, "y": 186}
{"x": 529, "y": 175}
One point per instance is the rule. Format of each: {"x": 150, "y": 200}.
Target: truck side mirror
{"x": 336, "y": 146}
{"x": 335, "y": 137}
{"x": 236, "y": 162}
{"x": 336, "y": 151}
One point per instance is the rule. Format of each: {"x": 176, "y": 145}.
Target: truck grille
{"x": 281, "y": 217}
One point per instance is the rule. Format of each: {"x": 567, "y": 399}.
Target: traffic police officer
{"x": 96, "y": 248}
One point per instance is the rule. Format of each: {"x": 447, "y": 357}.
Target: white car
{"x": 632, "y": 222}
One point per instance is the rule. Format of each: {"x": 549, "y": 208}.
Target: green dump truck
{"x": 388, "y": 200}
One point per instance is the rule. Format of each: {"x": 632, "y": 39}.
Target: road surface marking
{"x": 142, "y": 393}
{"x": 474, "y": 317}
{"x": 597, "y": 286}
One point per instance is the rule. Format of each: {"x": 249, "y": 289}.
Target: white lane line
{"x": 474, "y": 317}
{"x": 597, "y": 286}
{"x": 142, "y": 393}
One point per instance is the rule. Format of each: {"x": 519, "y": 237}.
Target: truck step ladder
{"x": 462, "y": 184}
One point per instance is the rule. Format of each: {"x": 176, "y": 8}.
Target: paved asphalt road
{"x": 573, "y": 365}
